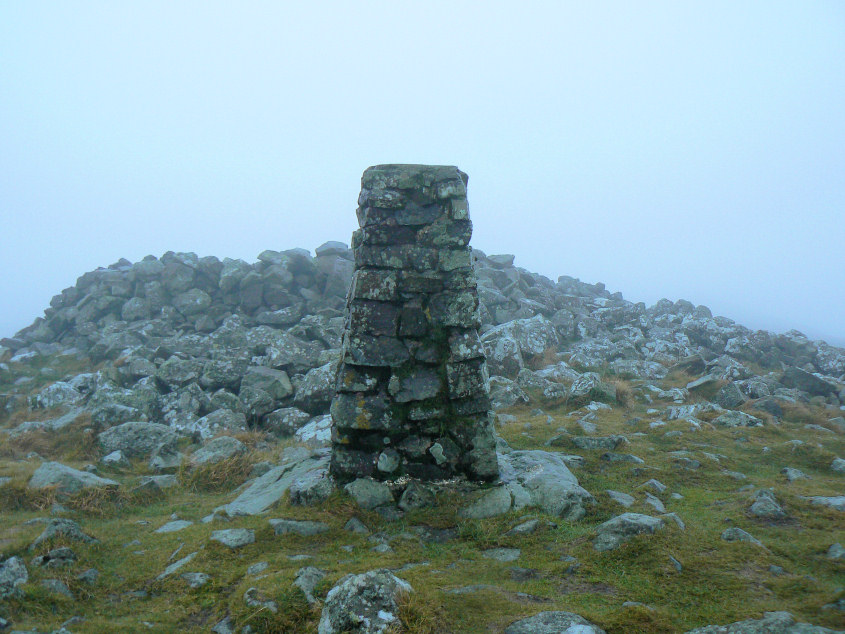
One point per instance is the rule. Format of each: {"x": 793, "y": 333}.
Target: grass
{"x": 455, "y": 588}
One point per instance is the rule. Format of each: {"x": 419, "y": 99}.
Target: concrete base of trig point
{"x": 412, "y": 396}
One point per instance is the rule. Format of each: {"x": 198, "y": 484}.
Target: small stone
{"x": 195, "y": 579}
{"x": 501, "y": 554}
{"x": 172, "y": 527}
{"x": 234, "y": 537}
{"x": 735, "y": 534}
{"x": 257, "y": 568}
{"x": 354, "y": 525}
{"x": 368, "y": 493}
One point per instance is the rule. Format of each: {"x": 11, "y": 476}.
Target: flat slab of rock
{"x": 66, "y": 479}
{"x": 553, "y": 623}
{"x": 835, "y": 502}
{"x": 268, "y": 489}
{"x": 771, "y": 623}
{"x": 175, "y": 525}
{"x": 306, "y": 528}
{"x": 617, "y": 530}
{"x": 176, "y": 565}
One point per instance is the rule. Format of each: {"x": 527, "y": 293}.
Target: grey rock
{"x": 273, "y": 382}
{"x": 175, "y": 525}
{"x": 115, "y": 459}
{"x": 730, "y": 396}
{"x": 217, "y": 450}
{"x": 66, "y": 479}
{"x": 368, "y": 493}
{"x": 734, "y": 418}
{"x": 766, "y": 506}
{"x": 314, "y": 394}
{"x": 221, "y": 419}
{"x": 771, "y": 623}
{"x": 195, "y": 579}
{"x": 317, "y": 433}
{"x": 57, "y": 586}
{"x": 621, "y": 498}
{"x": 257, "y": 568}
{"x": 234, "y": 537}
{"x": 836, "y": 551}
{"x": 364, "y": 603}
{"x": 166, "y": 457}
{"x": 799, "y": 379}
{"x": 553, "y": 623}
{"x": 836, "y": 502}
{"x": 13, "y": 573}
{"x": 496, "y": 501}
{"x": 501, "y": 554}
{"x": 307, "y": 579}
{"x": 137, "y": 439}
{"x": 312, "y": 488}
{"x": 305, "y": 528}
{"x": 596, "y": 443}
{"x": 176, "y": 565}
{"x": 354, "y": 525}
{"x": 793, "y": 474}
{"x": 615, "y": 531}
{"x": 548, "y": 482}
{"x": 56, "y": 558}
{"x": 735, "y": 534}
{"x": 285, "y": 421}
{"x": 271, "y": 487}
{"x": 416, "y": 495}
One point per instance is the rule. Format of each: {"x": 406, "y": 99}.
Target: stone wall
{"x": 412, "y": 396}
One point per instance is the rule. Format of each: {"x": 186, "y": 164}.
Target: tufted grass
{"x": 457, "y": 589}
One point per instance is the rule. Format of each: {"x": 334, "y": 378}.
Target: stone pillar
{"x": 412, "y": 396}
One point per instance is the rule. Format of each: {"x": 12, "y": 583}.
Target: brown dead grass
{"x": 548, "y": 357}
{"x": 77, "y": 441}
{"x": 222, "y": 476}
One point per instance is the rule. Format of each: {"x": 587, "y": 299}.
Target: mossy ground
{"x": 718, "y": 583}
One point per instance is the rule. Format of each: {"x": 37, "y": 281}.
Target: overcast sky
{"x": 668, "y": 149}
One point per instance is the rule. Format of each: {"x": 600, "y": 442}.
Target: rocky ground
{"x": 163, "y": 466}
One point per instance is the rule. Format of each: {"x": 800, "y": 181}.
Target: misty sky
{"x": 669, "y": 149}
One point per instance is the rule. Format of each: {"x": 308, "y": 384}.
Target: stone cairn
{"x": 412, "y": 397}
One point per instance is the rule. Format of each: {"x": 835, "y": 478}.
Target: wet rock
{"x": 364, "y": 603}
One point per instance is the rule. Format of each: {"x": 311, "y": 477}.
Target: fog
{"x": 667, "y": 149}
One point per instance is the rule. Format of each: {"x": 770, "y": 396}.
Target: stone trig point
{"x": 412, "y": 397}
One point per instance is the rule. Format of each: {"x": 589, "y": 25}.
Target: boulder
{"x": 65, "y": 529}
{"x": 545, "y": 480}
{"x": 617, "y": 530}
{"x": 314, "y": 394}
{"x": 234, "y": 537}
{"x": 730, "y": 396}
{"x": 368, "y": 493}
{"x": 13, "y": 573}
{"x": 735, "y": 534}
{"x": 765, "y": 506}
{"x": 217, "y": 450}
{"x": 66, "y": 479}
{"x": 806, "y": 382}
{"x": 364, "y": 603}
{"x": 269, "y": 488}
{"x": 137, "y": 439}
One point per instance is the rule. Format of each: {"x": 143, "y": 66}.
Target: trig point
{"x": 412, "y": 396}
